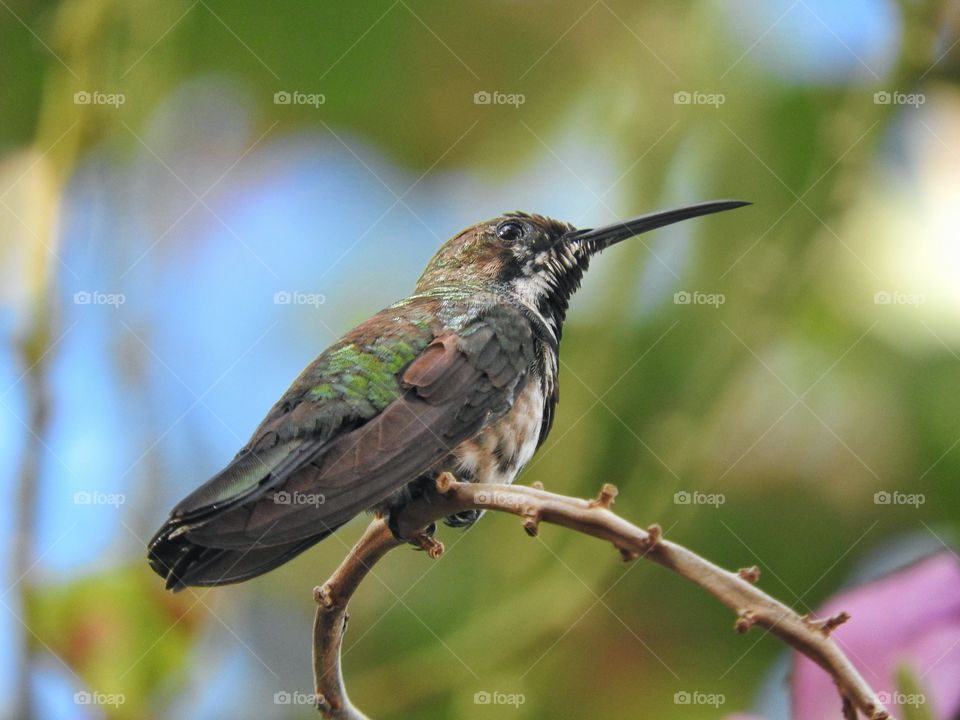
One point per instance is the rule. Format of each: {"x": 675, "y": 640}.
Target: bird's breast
{"x": 499, "y": 451}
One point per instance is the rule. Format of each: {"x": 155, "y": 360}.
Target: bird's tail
{"x": 183, "y": 562}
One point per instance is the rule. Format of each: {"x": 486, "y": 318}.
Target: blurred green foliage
{"x": 120, "y": 631}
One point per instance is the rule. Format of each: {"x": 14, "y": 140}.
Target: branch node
{"x": 745, "y": 621}
{"x": 605, "y": 499}
{"x": 323, "y": 596}
{"x": 444, "y": 482}
{"x": 531, "y": 521}
{"x": 537, "y": 485}
{"x": 825, "y": 627}
{"x": 323, "y": 705}
{"x": 849, "y": 710}
{"x": 429, "y": 544}
{"x": 654, "y": 535}
{"x": 750, "y": 574}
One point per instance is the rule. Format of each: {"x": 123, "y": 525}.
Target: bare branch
{"x": 752, "y": 606}
{"x": 330, "y": 622}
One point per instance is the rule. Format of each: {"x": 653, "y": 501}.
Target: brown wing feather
{"x": 454, "y": 387}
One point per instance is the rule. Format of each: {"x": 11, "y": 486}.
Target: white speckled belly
{"x": 501, "y": 450}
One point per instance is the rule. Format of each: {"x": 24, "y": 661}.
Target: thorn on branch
{"x": 849, "y": 711}
{"x": 872, "y": 712}
{"x": 323, "y": 596}
{"x": 531, "y": 521}
{"x": 745, "y": 621}
{"x": 654, "y": 534}
{"x": 750, "y": 574}
{"x": 825, "y": 627}
{"x": 627, "y": 554}
{"x": 324, "y": 705}
{"x": 429, "y": 544}
{"x": 444, "y": 482}
{"x": 605, "y": 499}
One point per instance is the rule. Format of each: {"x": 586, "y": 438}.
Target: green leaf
{"x": 911, "y": 700}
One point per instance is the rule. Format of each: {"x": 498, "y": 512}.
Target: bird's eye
{"x": 510, "y": 231}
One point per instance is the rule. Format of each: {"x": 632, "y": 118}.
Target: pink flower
{"x": 909, "y": 620}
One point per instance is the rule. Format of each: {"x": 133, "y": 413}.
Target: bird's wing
{"x": 292, "y": 484}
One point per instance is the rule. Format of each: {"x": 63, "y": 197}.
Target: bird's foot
{"x": 423, "y": 540}
{"x": 462, "y": 519}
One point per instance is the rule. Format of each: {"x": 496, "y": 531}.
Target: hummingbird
{"x": 460, "y": 377}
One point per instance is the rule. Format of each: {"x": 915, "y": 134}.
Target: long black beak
{"x": 598, "y": 239}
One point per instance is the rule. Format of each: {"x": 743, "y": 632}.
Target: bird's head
{"x": 535, "y": 260}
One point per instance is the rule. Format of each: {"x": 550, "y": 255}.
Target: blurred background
{"x": 198, "y": 197}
